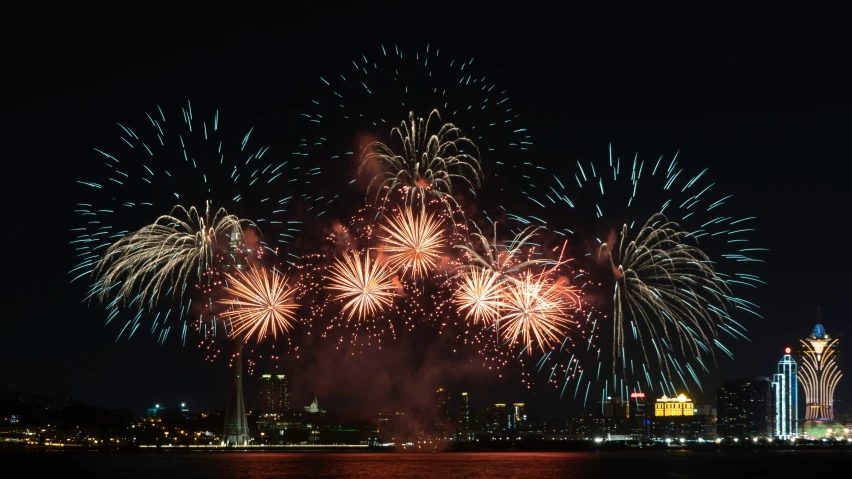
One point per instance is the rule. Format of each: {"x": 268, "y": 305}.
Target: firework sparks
{"x": 366, "y": 286}
{"x": 263, "y": 303}
{"x": 167, "y": 252}
{"x": 662, "y": 280}
{"x": 479, "y": 296}
{"x": 429, "y": 161}
{"x": 414, "y": 243}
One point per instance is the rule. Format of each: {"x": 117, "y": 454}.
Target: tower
{"x": 236, "y": 431}
{"x": 820, "y": 373}
{"x": 784, "y": 389}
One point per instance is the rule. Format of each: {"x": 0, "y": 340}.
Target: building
{"x": 497, "y": 419}
{"x": 274, "y": 394}
{"x": 676, "y": 418}
{"x": 744, "y": 408}
{"x": 518, "y": 417}
{"x": 443, "y": 405}
{"x": 465, "y": 411}
{"x": 819, "y": 374}
{"x": 784, "y": 392}
{"x": 314, "y": 408}
{"x": 637, "y": 423}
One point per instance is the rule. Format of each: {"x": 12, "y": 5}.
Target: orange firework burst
{"x": 367, "y": 285}
{"x": 536, "y": 307}
{"x": 480, "y": 294}
{"x": 263, "y": 303}
{"x": 415, "y": 242}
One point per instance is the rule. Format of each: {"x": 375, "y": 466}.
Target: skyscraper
{"x": 443, "y": 405}
{"x": 274, "y": 394}
{"x": 744, "y": 408}
{"x": 819, "y": 356}
{"x": 518, "y": 418}
{"x": 465, "y": 411}
{"x": 819, "y": 373}
{"x": 784, "y": 390}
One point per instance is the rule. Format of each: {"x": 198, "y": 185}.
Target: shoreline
{"x": 359, "y": 449}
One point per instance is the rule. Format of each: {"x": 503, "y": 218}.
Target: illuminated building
{"x": 744, "y": 408}
{"x": 518, "y": 418}
{"x": 637, "y": 423}
{"x": 676, "y": 418}
{"x": 679, "y": 406}
{"x": 819, "y": 374}
{"x": 274, "y": 394}
{"x": 784, "y": 394}
{"x": 465, "y": 411}
{"x": 236, "y": 431}
{"x": 498, "y": 419}
{"x": 314, "y": 408}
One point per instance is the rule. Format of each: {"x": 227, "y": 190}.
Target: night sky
{"x": 764, "y": 104}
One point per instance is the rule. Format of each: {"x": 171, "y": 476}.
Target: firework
{"x": 263, "y": 303}
{"x": 192, "y": 158}
{"x": 414, "y": 243}
{"x": 391, "y": 80}
{"x": 536, "y": 307}
{"x": 428, "y": 163}
{"x": 169, "y": 252}
{"x": 479, "y": 296}
{"x": 502, "y": 259}
{"x": 668, "y": 288}
{"x": 365, "y": 286}
{"x": 673, "y": 275}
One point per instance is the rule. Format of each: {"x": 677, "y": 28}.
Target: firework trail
{"x": 672, "y": 300}
{"x": 193, "y": 160}
{"x": 263, "y": 303}
{"x": 427, "y": 164}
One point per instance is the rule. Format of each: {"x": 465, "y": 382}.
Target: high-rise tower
{"x": 819, "y": 372}
{"x": 465, "y": 411}
{"x": 274, "y": 394}
{"x": 784, "y": 392}
{"x": 236, "y": 431}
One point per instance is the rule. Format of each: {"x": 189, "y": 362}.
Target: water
{"x": 627, "y": 465}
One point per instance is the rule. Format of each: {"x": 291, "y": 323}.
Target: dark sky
{"x": 765, "y": 104}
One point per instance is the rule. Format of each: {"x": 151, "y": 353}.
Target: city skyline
{"x": 74, "y": 358}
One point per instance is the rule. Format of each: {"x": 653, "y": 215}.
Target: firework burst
{"x": 668, "y": 289}
{"x": 502, "y": 258}
{"x": 171, "y": 251}
{"x": 263, "y": 303}
{"x": 365, "y": 286}
{"x": 394, "y": 80}
{"x": 428, "y": 162}
{"x": 187, "y": 157}
{"x": 414, "y": 242}
{"x": 479, "y": 295}
{"x": 656, "y": 292}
